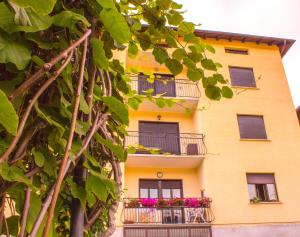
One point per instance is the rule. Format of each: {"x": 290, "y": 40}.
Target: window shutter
{"x": 236, "y": 51}
{"x": 242, "y": 77}
{"x": 260, "y": 179}
{"x": 165, "y": 84}
{"x": 172, "y": 184}
{"x": 143, "y": 84}
{"x": 251, "y": 127}
{"x": 147, "y": 184}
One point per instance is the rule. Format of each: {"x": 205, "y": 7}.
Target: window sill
{"x": 259, "y": 140}
{"x": 257, "y": 203}
{"x": 245, "y": 87}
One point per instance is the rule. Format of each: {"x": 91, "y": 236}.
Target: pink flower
{"x": 148, "y": 202}
{"x": 192, "y": 202}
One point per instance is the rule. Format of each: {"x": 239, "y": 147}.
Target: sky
{"x": 276, "y": 18}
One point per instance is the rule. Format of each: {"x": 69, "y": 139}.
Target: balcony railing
{"x": 190, "y": 144}
{"x": 168, "y": 211}
{"x": 182, "y": 88}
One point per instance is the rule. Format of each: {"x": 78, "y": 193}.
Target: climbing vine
{"x": 64, "y": 100}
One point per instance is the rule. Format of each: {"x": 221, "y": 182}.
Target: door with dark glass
{"x": 166, "y": 189}
{"x": 160, "y": 135}
{"x": 164, "y": 84}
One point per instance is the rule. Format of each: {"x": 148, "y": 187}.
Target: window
{"x": 236, "y": 51}
{"x": 160, "y": 188}
{"x": 251, "y": 127}
{"x": 163, "y": 84}
{"x": 261, "y": 187}
{"x": 243, "y": 77}
{"x": 160, "y": 135}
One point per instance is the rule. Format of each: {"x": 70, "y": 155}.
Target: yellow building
{"x": 229, "y": 168}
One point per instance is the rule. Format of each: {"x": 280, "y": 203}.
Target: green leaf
{"x": 227, "y": 92}
{"x": 106, "y": 4}
{"x": 179, "y": 54}
{"x": 45, "y": 116}
{"x": 50, "y": 166}
{"x": 36, "y": 39}
{"x": 13, "y": 226}
{"x": 83, "y": 106}
{"x": 77, "y": 191}
{"x": 101, "y": 187}
{"x": 210, "y": 48}
{"x": 160, "y": 54}
{"x": 8, "y": 116}
{"x": 185, "y": 28}
{"x": 38, "y": 61}
{"x": 171, "y": 41}
{"x": 118, "y": 108}
{"x": 42, "y": 8}
{"x": 219, "y": 78}
{"x": 132, "y": 50}
{"x": 35, "y": 205}
{"x": 37, "y": 21}
{"x": 164, "y": 4}
{"x": 134, "y": 103}
{"x": 160, "y": 102}
{"x": 14, "y": 174}
{"x": 99, "y": 56}
{"x": 144, "y": 40}
{"x": 208, "y": 64}
{"x": 116, "y": 149}
{"x": 14, "y": 51}
{"x": 116, "y": 25}
{"x": 174, "y": 66}
{"x": 174, "y": 18}
{"x": 194, "y": 75}
{"x": 191, "y": 38}
{"x": 69, "y": 20}
{"x": 213, "y": 92}
{"x": 39, "y": 158}
{"x": 81, "y": 127}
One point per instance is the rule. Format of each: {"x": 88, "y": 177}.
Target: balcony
{"x": 168, "y": 217}
{"x": 160, "y": 147}
{"x": 185, "y": 91}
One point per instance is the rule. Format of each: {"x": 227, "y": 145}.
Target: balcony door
{"x": 163, "y": 84}
{"x": 160, "y": 135}
{"x": 165, "y": 189}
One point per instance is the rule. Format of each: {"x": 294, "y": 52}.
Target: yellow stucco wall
{"x": 231, "y": 158}
{"x": 223, "y": 172}
{"x": 189, "y": 177}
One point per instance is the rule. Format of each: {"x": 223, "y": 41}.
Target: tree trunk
{"x": 77, "y": 210}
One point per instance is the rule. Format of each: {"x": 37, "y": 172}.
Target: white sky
{"x": 277, "y": 18}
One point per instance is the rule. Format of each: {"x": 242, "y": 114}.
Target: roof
{"x": 282, "y": 43}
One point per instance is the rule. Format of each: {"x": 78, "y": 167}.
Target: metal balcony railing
{"x": 168, "y": 211}
{"x": 190, "y": 144}
{"x": 182, "y": 88}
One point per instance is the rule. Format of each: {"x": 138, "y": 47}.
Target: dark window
{"x": 236, "y": 51}
{"x": 159, "y": 135}
{"x": 252, "y": 127}
{"x": 242, "y": 77}
{"x": 163, "y": 84}
{"x": 262, "y": 187}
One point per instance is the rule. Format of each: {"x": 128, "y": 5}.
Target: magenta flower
{"x": 192, "y": 202}
{"x": 148, "y": 202}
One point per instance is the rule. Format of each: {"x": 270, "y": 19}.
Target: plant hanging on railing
{"x": 168, "y": 202}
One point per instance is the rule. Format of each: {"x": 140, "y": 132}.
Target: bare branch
{"x": 25, "y": 212}
{"x": 69, "y": 143}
